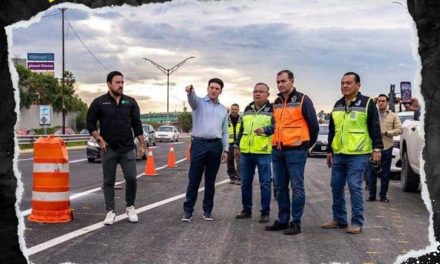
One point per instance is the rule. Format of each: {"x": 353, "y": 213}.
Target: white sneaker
{"x": 132, "y": 215}
{"x": 110, "y": 218}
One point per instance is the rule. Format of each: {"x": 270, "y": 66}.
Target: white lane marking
{"x": 61, "y": 239}
{"x": 81, "y": 194}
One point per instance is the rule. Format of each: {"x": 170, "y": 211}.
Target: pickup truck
{"x": 411, "y": 142}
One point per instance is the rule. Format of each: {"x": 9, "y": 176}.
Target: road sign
{"x": 40, "y": 56}
{"x": 43, "y": 66}
{"x": 45, "y": 115}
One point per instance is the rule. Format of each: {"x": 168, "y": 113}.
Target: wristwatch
{"x": 377, "y": 150}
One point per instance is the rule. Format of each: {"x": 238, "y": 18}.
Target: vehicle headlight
{"x": 92, "y": 144}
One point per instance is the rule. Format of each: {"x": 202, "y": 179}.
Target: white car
{"x": 167, "y": 133}
{"x": 411, "y": 143}
{"x": 396, "y": 162}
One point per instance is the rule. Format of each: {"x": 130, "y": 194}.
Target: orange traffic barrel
{"x": 50, "y": 182}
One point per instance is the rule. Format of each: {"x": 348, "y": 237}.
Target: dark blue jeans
{"x": 384, "y": 175}
{"x": 205, "y": 158}
{"x": 288, "y": 167}
{"x": 348, "y": 169}
{"x": 248, "y": 162}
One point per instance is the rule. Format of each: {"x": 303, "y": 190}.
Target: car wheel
{"x": 409, "y": 179}
{"x": 177, "y": 139}
{"x": 154, "y": 143}
{"x": 91, "y": 160}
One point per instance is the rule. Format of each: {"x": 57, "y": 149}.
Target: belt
{"x": 209, "y": 140}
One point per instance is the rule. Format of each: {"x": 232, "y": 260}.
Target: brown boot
{"x": 333, "y": 225}
{"x": 354, "y": 230}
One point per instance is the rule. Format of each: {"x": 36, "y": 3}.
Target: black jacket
{"x": 118, "y": 123}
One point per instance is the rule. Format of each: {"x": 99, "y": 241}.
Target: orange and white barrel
{"x": 50, "y": 182}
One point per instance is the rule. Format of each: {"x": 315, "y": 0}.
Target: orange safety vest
{"x": 291, "y": 128}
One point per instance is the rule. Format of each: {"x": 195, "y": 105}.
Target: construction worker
{"x": 354, "y": 134}
{"x": 390, "y": 126}
{"x": 296, "y": 129}
{"x": 254, "y": 147}
{"x": 233, "y": 164}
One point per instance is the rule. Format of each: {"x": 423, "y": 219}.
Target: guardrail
{"x": 30, "y": 139}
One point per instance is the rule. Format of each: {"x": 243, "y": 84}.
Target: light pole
{"x": 168, "y": 72}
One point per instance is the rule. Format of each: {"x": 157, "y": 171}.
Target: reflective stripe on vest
{"x": 351, "y": 130}
{"x": 290, "y": 126}
{"x": 232, "y": 138}
{"x": 251, "y": 142}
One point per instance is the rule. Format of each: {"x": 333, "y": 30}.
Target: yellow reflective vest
{"x": 250, "y": 142}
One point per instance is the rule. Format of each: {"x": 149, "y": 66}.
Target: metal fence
{"x": 30, "y": 139}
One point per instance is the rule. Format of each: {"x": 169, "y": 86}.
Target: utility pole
{"x": 168, "y": 72}
{"x": 63, "y": 80}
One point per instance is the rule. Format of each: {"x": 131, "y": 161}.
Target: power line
{"x": 90, "y": 52}
{"x": 53, "y": 14}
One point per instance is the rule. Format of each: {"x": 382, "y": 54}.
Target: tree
{"x": 185, "y": 121}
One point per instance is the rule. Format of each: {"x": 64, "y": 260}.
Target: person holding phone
{"x": 209, "y": 146}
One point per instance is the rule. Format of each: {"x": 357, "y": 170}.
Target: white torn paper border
{"x": 19, "y": 192}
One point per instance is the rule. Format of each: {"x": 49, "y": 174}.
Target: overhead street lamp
{"x": 168, "y": 72}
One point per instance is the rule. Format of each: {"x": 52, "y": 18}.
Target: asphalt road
{"x": 160, "y": 237}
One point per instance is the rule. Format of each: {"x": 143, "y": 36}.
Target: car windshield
{"x": 323, "y": 130}
{"x": 165, "y": 129}
{"x": 146, "y": 129}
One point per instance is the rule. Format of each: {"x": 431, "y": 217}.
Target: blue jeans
{"x": 248, "y": 162}
{"x": 205, "y": 157}
{"x": 387, "y": 155}
{"x": 348, "y": 169}
{"x": 288, "y": 166}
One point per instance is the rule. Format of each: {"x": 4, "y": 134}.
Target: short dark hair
{"x": 216, "y": 80}
{"x": 356, "y": 76}
{"x": 113, "y": 74}
{"x": 384, "y": 95}
{"x": 262, "y": 83}
{"x": 235, "y": 104}
{"x": 289, "y": 74}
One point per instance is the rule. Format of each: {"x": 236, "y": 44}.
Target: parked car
{"x": 320, "y": 147}
{"x": 396, "y": 162}
{"x": 167, "y": 133}
{"x": 411, "y": 143}
{"x": 25, "y": 132}
{"x": 149, "y": 134}
{"x": 94, "y": 152}
{"x": 84, "y": 132}
{"x": 67, "y": 130}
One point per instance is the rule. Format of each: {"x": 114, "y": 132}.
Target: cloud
{"x": 242, "y": 42}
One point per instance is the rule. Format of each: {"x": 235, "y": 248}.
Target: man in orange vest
{"x": 296, "y": 129}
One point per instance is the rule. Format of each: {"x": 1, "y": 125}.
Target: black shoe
{"x": 207, "y": 216}
{"x": 277, "y": 226}
{"x": 264, "y": 218}
{"x": 384, "y": 200}
{"x": 294, "y": 229}
{"x": 187, "y": 217}
{"x": 243, "y": 215}
{"x": 371, "y": 199}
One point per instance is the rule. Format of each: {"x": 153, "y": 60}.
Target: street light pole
{"x": 168, "y": 72}
{"x": 63, "y": 80}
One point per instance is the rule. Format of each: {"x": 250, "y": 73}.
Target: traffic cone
{"x": 171, "y": 157}
{"x": 188, "y": 153}
{"x": 150, "y": 168}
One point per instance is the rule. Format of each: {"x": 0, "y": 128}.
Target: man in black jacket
{"x": 119, "y": 119}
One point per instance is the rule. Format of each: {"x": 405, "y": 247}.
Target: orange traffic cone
{"x": 171, "y": 157}
{"x": 188, "y": 153}
{"x": 150, "y": 168}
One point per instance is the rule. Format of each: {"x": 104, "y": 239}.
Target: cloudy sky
{"x": 242, "y": 42}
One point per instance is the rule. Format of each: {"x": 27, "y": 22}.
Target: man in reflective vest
{"x": 354, "y": 134}
{"x": 296, "y": 129}
{"x": 234, "y": 123}
{"x": 254, "y": 146}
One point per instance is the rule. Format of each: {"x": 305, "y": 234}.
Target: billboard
{"x": 40, "y": 66}
{"x": 40, "y": 56}
{"x": 41, "y": 62}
